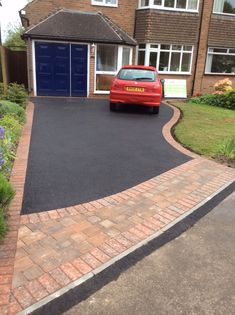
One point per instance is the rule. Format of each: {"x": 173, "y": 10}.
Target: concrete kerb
{"x": 82, "y": 288}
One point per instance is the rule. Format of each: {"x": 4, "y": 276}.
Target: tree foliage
{"x": 13, "y": 38}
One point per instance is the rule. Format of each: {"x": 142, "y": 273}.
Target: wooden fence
{"x": 13, "y": 66}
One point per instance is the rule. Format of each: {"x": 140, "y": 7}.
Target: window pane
{"x": 107, "y": 56}
{"x": 111, "y": 1}
{"x": 176, "y": 47}
{"x": 164, "y": 59}
{"x": 165, "y": 47}
{"x": 187, "y": 48}
{"x": 223, "y": 64}
{"x": 186, "y": 61}
{"x": 153, "y": 59}
{"x": 181, "y": 4}
{"x": 224, "y": 6}
{"x": 175, "y": 62}
{"x": 154, "y": 46}
{"x": 169, "y": 3}
{"x": 103, "y": 82}
{"x": 232, "y": 51}
{"x": 141, "y": 57}
{"x": 192, "y": 4}
{"x": 220, "y": 50}
{"x": 157, "y": 2}
{"x": 144, "y": 3}
{"x": 142, "y": 46}
{"x": 126, "y": 56}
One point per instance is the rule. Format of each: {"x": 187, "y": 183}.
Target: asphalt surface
{"x": 80, "y": 151}
{"x": 193, "y": 274}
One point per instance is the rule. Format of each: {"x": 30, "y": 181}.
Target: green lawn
{"x": 204, "y": 128}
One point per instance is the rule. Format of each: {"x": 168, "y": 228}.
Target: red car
{"x": 136, "y": 85}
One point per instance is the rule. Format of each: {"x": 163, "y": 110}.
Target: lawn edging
{"x": 9, "y": 244}
{"x": 167, "y": 132}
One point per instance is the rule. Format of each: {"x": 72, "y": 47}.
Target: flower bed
{"x": 12, "y": 118}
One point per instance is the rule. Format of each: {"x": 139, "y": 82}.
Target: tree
{"x": 13, "y": 38}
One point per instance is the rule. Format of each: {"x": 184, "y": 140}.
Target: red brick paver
{"x": 60, "y": 246}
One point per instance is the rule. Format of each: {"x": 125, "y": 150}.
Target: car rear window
{"x": 137, "y": 75}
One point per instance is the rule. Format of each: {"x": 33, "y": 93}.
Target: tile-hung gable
{"x": 77, "y": 53}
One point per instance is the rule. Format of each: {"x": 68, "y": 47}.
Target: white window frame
{"x": 104, "y": 4}
{"x": 219, "y": 53}
{"x": 222, "y": 13}
{"x": 119, "y": 65}
{"x": 162, "y": 6}
{"x": 148, "y": 49}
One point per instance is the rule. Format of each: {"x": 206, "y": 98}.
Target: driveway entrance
{"x": 80, "y": 151}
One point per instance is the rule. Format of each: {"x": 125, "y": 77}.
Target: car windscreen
{"x": 137, "y": 75}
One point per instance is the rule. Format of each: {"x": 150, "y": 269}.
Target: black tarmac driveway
{"x": 80, "y": 151}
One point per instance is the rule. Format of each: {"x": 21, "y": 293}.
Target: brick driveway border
{"x": 59, "y": 249}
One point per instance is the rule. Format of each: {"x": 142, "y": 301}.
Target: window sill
{"x": 220, "y": 74}
{"x": 102, "y": 92}
{"x": 105, "y": 5}
{"x": 170, "y": 9}
{"x": 224, "y": 14}
{"x": 174, "y": 73}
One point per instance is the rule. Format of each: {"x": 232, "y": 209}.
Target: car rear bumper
{"x": 127, "y": 98}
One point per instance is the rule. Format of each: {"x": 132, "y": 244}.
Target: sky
{"x": 9, "y": 13}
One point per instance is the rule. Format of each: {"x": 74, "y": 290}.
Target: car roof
{"x": 139, "y": 67}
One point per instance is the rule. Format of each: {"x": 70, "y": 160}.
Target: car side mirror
{"x": 162, "y": 81}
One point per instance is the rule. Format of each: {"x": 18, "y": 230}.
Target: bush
{"x": 226, "y": 100}
{"x": 227, "y": 149}
{"x": 12, "y": 127}
{"x": 223, "y": 86}
{"x": 6, "y": 195}
{"x": 17, "y": 93}
{"x": 2, "y": 93}
{"x": 6, "y": 192}
{"x": 15, "y": 110}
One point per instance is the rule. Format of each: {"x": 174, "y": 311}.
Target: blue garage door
{"x": 79, "y": 70}
{"x": 61, "y": 69}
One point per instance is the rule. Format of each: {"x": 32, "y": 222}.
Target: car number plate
{"x": 134, "y": 89}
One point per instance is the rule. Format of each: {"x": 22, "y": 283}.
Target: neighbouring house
{"x": 76, "y": 47}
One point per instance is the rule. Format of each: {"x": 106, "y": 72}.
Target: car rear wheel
{"x": 154, "y": 110}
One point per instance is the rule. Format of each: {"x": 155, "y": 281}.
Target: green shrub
{"x": 12, "y": 126}
{"x": 2, "y": 94}
{"x": 226, "y": 100}
{"x": 7, "y": 107}
{"x": 6, "y": 192}
{"x": 3, "y": 225}
{"x": 17, "y": 93}
{"x": 227, "y": 149}
{"x": 6, "y": 195}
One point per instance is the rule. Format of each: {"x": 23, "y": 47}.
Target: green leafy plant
{"x": 227, "y": 149}
{"x": 226, "y": 100}
{"x": 17, "y": 93}
{"x": 2, "y": 92}
{"x": 12, "y": 126}
{"x": 6, "y": 192}
{"x": 7, "y": 107}
{"x": 6, "y": 195}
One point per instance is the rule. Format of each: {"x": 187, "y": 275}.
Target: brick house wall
{"x": 169, "y": 27}
{"x": 123, "y": 15}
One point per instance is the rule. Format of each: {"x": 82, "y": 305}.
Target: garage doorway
{"x": 61, "y": 69}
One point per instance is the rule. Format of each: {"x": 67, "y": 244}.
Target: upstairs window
{"x": 224, "y": 6}
{"x": 107, "y": 3}
{"x": 176, "y": 5}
